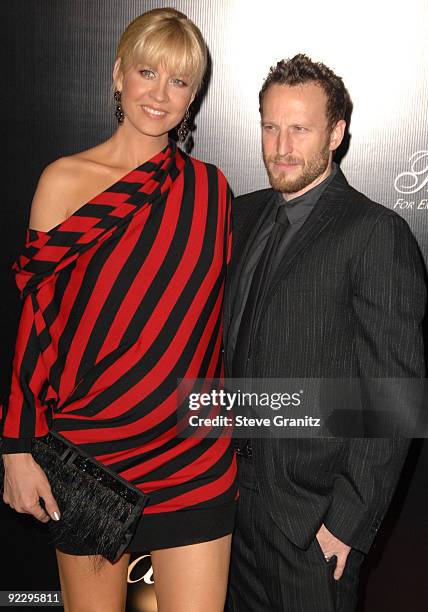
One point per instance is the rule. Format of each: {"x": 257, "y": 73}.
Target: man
{"x": 323, "y": 283}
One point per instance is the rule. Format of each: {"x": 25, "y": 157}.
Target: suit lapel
{"x": 240, "y": 250}
{"x": 242, "y": 241}
{"x": 327, "y": 208}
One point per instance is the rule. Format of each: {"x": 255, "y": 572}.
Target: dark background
{"x": 57, "y": 61}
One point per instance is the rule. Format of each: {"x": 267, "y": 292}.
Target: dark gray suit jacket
{"x": 347, "y": 301}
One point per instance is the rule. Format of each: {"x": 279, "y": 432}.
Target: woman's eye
{"x": 179, "y": 82}
{"x": 147, "y": 73}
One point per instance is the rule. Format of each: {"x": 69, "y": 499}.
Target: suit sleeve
{"x": 225, "y": 197}
{"x": 227, "y": 258}
{"x": 389, "y": 304}
{"x": 23, "y": 412}
{"x": 229, "y": 228}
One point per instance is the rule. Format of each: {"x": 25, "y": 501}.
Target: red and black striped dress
{"x": 120, "y": 301}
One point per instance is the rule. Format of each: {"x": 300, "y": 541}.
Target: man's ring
{"x": 327, "y": 558}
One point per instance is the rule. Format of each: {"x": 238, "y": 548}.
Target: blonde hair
{"x": 164, "y": 37}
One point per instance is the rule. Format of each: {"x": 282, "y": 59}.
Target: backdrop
{"x": 57, "y": 62}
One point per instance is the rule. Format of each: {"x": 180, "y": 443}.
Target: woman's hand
{"x": 24, "y": 483}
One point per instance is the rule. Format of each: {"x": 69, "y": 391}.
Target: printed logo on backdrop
{"x": 147, "y": 577}
{"x": 141, "y": 596}
{"x": 413, "y": 184}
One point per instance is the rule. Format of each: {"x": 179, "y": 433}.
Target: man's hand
{"x": 331, "y": 546}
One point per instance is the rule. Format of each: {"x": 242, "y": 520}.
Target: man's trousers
{"x": 270, "y": 574}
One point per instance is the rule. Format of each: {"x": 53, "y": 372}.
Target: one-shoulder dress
{"x": 121, "y": 301}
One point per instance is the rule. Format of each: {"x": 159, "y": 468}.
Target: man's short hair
{"x": 300, "y": 70}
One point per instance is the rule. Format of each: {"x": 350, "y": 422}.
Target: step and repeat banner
{"x": 58, "y": 58}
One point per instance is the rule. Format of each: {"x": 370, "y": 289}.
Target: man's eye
{"x": 299, "y": 128}
{"x": 267, "y": 127}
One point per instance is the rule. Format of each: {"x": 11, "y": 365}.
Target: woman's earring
{"x": 119, "y": 111}
{"x": 184, "y": 128}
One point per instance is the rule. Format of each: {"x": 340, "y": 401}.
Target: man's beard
{"x": 311, "y": 170}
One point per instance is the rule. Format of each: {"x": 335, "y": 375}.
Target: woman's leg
{"x": 86, "y": 590}
{"x": 192, "y": 578}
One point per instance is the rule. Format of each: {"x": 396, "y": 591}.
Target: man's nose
{"x": 284, "y": 144}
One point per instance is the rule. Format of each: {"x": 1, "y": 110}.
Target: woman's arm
{"x": 24, "y": 413}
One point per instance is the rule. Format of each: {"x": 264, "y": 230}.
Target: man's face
{"x": 297, "y": 142}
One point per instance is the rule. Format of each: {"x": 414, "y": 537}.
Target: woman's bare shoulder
{"x": 62, "y": 188}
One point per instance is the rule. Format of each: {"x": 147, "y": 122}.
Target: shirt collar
{"x": 298, "y": 208}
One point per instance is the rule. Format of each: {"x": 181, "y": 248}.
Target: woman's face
{"x": 154, "y": 101}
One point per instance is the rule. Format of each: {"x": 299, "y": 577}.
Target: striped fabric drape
{"x": 120, "y": 301}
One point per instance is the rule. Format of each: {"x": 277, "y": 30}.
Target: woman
{"x": 122, "y": 279}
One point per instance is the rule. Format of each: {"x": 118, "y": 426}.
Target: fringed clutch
{"x": 99, "y": 509}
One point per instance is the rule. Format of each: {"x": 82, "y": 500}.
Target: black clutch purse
{"x": 99, "y": 509}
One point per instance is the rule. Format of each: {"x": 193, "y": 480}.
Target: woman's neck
{"x": 130, "y": 149}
